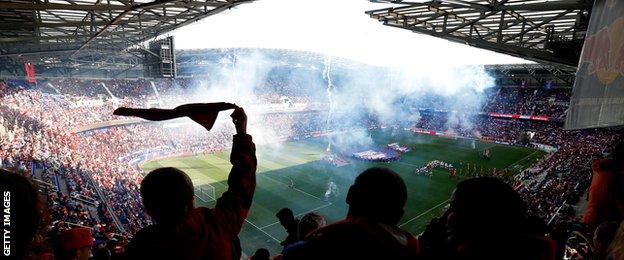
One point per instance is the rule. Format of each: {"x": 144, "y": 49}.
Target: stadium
{"x": 540, "y": 128}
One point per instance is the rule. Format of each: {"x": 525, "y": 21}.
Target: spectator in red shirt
{"x": 606, "y": 193}
{"x": 185, "y": 232}
{"x": 73, "y": 244}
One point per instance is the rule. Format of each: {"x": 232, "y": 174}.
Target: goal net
{"x": 205, "y": 193}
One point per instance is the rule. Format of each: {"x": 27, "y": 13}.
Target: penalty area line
{"x": 297, "y": 189}
{"x": 518, "y": 161}
{"x": 421, "y": 214}
{"x": 269, "y": 235}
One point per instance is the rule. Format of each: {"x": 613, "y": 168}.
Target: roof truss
{"x": 74, "y": 29}
{"x": 534, "y": 29}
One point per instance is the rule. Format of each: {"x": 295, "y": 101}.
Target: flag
{"x": 598, "y": 93}
{"x": 202, "y": 113}
{"x": 30, "y": 72}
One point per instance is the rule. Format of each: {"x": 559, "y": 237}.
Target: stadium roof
{"x": 541, "y": 30}
{"x": 88, "y": 31}
{"x": 532, "y": 75}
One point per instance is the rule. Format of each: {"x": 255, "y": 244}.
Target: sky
{"x": 331, "y": 27}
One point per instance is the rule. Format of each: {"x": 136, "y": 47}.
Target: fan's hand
{"x": 205, "y": 114}
{"x": 240, "y": 120}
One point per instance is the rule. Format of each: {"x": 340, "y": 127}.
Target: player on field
{"x": 332, "y": 190}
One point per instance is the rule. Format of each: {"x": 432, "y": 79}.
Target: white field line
{"x": 514, "y": 163}
{"x": 421, "y": 214}
{"x": 269, "y": 235}
{"x": 299, "y": 190}
{"x": 200, "y": 198}
{"x": 410, "y": 164}
{"x": 281, "y": 182}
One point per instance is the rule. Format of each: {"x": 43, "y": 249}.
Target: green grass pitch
{"x": 299, "y": 163}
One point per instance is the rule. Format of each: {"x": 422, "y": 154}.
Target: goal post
{"x": 206, "y": 193}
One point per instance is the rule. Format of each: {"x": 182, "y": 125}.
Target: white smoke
{"x": 330, "y": 99}
{"x": 352, "y": 95}
{"x": 235, "y": 79}
{"x": 393, "y": 96}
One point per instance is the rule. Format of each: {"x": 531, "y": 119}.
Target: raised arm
{"x": 233, "y": 206}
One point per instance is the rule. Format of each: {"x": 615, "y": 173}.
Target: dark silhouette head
{"x": 25, "y": 208}
{"x": 484, "y": 206}
{"x": 617, "y": 155}
{"x": 285, "y": 216}
{"x": 102, "y": 253}
{"x": 603, "y": 236}
{"x": 310, "y": 222}
{"x": 261, "y": 254}
{"x": 378, "y": 194}
{"x": 167, "y": 194}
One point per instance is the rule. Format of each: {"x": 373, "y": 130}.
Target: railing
{"x": 556, "y": 213}
{"x": 587, "y": 167}
{"x": 100, "y": 194}
{"x": 85, "y": 199}
{"x": 71, "y": 224}
{"x": 55, "y": 177}
{"x": 40, "y": 182}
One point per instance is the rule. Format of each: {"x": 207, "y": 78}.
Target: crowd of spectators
{"x": 89, "y": 181}
{"x": 529, "y": 101}
{"x": 39, "y": 127}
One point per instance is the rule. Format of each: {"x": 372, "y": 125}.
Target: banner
{"x": 516, "y": 116}
{"x": 598, "y": 94}
{"x": 30, "y": 72}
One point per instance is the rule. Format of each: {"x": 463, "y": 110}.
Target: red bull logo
{"x": 604, "y": 52}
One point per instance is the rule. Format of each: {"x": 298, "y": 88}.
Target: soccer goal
{"x": 205, "y": 193}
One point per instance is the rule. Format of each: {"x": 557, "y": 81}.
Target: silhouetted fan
{"x": 203, "y": 113}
